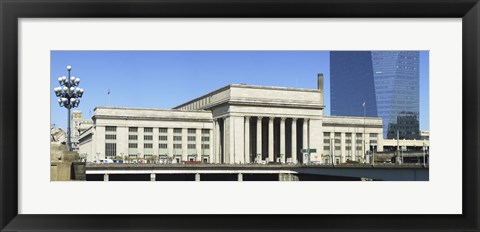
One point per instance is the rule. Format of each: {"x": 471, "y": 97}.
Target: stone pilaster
{"x": 198, "y": 145}
{"x": 305, "y": 138}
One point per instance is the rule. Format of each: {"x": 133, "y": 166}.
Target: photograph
{"x": 239, "y": 115}
{"x": 231, "y": 115}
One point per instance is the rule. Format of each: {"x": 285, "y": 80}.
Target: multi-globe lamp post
{"x": 69, "y": 95}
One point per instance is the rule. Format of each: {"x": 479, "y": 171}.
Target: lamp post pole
{"x": 69, "y": 97}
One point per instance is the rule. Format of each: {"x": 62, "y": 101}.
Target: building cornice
{"x": 188, "y": 119}
{"x": 246, "y": 86}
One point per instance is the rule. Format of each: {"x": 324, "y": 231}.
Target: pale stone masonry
{"x": 235, "y": 124}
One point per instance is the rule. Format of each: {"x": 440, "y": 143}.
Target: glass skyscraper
{"x": 377, "y": 84}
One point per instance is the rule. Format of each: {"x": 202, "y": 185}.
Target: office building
{"x": 378, "y": 84}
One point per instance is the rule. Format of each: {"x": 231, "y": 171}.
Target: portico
{"x": 258, "y": 124}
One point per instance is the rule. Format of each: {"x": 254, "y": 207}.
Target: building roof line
{"x": 245, "y": 86}
{"x": 155, "y": 109}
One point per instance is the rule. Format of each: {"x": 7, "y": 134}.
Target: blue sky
{"x": 164, "y": 79}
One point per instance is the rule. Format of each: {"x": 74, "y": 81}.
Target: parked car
{"x": 106, "y": 161}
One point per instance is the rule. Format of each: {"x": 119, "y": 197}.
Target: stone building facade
{"x": 236, "y": 124}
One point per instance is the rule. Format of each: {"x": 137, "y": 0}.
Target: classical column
{"x": 259, "y": 137}
{"x": 282, "y": 140}
{"x": 247, "y": 140}
{"x": 294, "y": 140}
{"x": 271, "y": 157}
{"x": 305, "y": 137}
{"x": 217, "y": 141}
{"x": 224, "y": 150}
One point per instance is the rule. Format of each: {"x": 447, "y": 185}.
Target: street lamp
{"x": 69, "y": 97}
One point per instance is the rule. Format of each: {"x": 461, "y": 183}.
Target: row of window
{"x": 165, "y": 146}
{"x": 111, "y": 148}
{"x": 160, "y": 130}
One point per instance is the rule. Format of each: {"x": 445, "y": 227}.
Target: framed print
{"x": 228, "y": 115}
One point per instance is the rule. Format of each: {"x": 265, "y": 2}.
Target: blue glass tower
{"x": 388, "y": 81}
{"x": 352, "y": 84}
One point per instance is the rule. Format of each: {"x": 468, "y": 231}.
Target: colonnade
{"x": 257, "y": 141}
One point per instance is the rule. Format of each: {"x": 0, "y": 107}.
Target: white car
{"x": 106, "y": 161}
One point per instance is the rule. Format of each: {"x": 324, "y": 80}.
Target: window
{"x": 147, "y": 145}
{"x": 148, "y": 137}
{"x": 132, "y": 145}
{"x": 205, "y": 131}
{"x": 133, "y": 129}
{"x": 358, "y": 138}
{"x": 205, "y": 139}
{"x": 326, "y": 137}
{"x": 132, "y": 137}
{"x": 177, "y": 130}
{"x": 191, "y": 131}
{"x": 191, "y": 138}
{"x": 110, "y": 149}
{"x": 111, "y": 137}
{"x": 162, "y": 138}
{"x": 148, "y": 130}
{"x": 162, "y": 130}
{"x": 177, "y": 138}
{"x": 110, "y": 128}
{"x": 177, "y": 146}
{"x": 348, "y": 138}
{"x": 162, "y": 145}
{"x": 192, "y": 146}
{"x": 205, "y": 146}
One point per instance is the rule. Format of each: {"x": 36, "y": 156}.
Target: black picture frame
{"x": 11, "y": 11}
